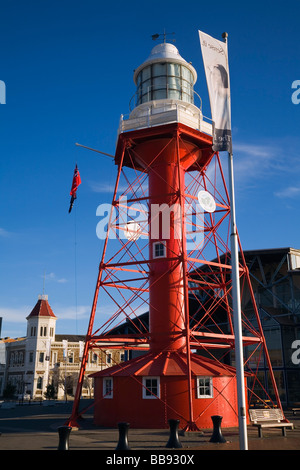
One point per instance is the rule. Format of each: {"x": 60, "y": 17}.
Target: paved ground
{"x": 35, "y": 427}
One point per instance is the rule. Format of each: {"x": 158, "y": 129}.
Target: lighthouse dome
{"x": 165, "y": 52}
{"x": 165, "y": 75}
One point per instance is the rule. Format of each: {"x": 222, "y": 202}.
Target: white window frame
{"x": 54, "y": 357}
{"x": 104, "y": 389}
{"x": 163, "y": 243}
{"x": 294, "y": 261}
{"x": 108, "y": 358}
{"x": 203, "y": 386}
{"x": 146, "y": 388}
{"x": 71, "y": 357}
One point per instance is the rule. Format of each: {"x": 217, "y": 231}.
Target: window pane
{"x": 159, "y": 94}
{"x": 174, "y": 69}
{"x": 107, "y": 387}
{"x": 150, "y": 387}
{"x": 174, "y": 95}
{"x": 159, "y": 69}
{"x": 159, "y": 82}
{"x": 145, "y": 98}
{"x": 186, "y": 74}
{"x": 146, "y": 73}
{"x": 186, "y": 87}
{"x": 187, "y": 98}
{"x": 204, "y": 387}
{"x": 159, "y": 250}
{"x": 146, "y": 86}
{"x": 174, "y": 82}
{"x": 148, "y": 383}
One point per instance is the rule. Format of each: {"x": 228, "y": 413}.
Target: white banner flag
{"x": 215, "y": 60}
{"x": 81, "y": 347}
{"x": 48, "y": 350}
{"x": 65, "y": 348}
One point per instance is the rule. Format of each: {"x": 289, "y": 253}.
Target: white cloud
{"x": 277, "y": 157}
{"x": 15, "y": 315}
{"x": 49, "y": 276}
{"x": 106, "y": 188}
{"x": 253, "y": 160}
{"x": 4, "y": 233}
{"x": 71, "y": 312}
{"x": 271, "y": 162}
{"x": 101, "y": 187}
{"x": 14, "y": 319}
{"x": 19, "y": 314}
{"x": 290, "y": 192}
{"x": 262, "y": 151}
{"x": 54, "y": 278}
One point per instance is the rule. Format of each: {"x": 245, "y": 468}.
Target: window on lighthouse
{"x": 151, "y": 387}
{"x": 204, "y": 387}
{"x": 107, "y": 387}
{"x": 159, "y": 250}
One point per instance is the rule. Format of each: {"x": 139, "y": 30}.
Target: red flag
{"x": 75, "y": 183}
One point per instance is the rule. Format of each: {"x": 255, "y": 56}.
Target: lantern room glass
{"x": 163, "y": 80}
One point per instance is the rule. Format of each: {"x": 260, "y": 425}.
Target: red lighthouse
{"x": 166, "y": 256}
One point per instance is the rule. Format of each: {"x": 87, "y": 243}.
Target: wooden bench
{"x": 271, "y": 418}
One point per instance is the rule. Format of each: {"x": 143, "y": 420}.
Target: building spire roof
{"x": 41, "y": 308}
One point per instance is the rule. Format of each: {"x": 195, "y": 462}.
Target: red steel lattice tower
{"x": 165, "y": 270}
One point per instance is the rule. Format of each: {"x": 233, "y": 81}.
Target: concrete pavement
{"x": 35, "y": 427}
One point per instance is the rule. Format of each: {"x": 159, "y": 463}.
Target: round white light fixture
{"x": 206, "y": 201}
{"x": 132, "y": 231}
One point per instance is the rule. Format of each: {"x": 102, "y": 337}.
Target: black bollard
{"x": 217, "y": 433}
{"x": 173, "y": 442}
{"x": 64, "y": 433}
{"x": 123, "y": 436}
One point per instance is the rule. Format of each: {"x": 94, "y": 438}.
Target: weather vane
{"x": 164, "y": 34}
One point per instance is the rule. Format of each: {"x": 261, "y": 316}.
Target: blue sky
{"x": 68, "y": 68}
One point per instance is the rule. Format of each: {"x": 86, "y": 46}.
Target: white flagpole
{"x": 236, "y": 301}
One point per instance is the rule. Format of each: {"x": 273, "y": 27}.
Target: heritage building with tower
{"x": 41, "y": 358}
